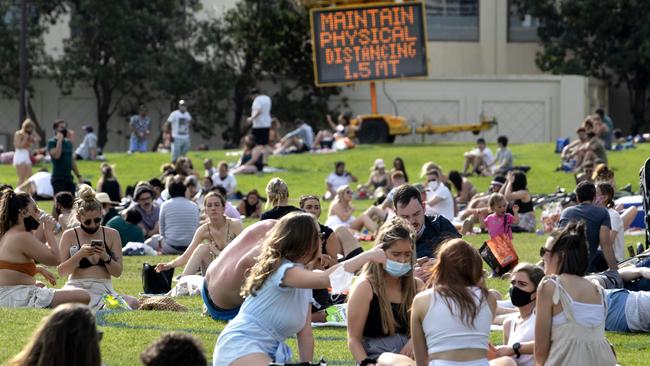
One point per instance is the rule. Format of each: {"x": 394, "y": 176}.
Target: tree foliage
{"x": 121, "y": 48}
{"x": 41, "y": 13}
{"x": 266, "y": 43}
{"x": 607, "y": 39}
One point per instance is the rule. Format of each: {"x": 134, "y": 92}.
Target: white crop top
{"x": 444, "y": 330}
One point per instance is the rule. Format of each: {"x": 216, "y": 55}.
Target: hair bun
{"x": 86, "y": 193}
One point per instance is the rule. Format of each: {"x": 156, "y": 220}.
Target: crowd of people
{"x": 418, "y": 296}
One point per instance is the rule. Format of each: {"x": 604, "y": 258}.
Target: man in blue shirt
{"x": 431, "y": 230}
{"x": 601, "y": 250}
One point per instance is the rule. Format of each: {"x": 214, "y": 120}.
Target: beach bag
{"x": 499, "y": 254}
{"x": 156, "y": 282}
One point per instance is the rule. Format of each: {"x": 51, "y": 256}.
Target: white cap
{"x": 379, "y": 164}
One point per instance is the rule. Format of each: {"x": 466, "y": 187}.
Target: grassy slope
{"x": 126, "y": 334}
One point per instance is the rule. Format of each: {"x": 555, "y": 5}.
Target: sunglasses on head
{"x": 543, "y": 251}
{"x": 96, "y": 220}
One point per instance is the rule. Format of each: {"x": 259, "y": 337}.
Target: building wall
{"x": 79, "y": 108}
{"x": 490, "y": 76}
{"x": 527, "y": 108}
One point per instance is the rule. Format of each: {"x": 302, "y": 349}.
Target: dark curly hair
{"x": 173, "y": 349}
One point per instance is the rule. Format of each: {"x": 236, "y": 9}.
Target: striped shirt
{"x": 179, "y": 219}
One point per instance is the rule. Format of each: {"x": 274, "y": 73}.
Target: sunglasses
{"x": 543, "y": 251}
{"x": 96, "y": 220}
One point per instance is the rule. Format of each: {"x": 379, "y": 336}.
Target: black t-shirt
{"x": 436, "y": 230}
{"x": 277, "y": 213}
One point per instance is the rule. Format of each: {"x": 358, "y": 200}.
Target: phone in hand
{"x": 97, "y": 243}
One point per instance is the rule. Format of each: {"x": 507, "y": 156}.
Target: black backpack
{"x": 156, "y": 282}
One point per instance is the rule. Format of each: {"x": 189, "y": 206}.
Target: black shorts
{"x": 63, "y": 184}
{"x": 261, "y": 135}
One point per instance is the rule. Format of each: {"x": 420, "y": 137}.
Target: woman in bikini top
{"x": 209, "y": 240}
{"x": 20, "y": 249}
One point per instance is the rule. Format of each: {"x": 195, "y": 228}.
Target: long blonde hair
{"x": 27, "y": 123}
{"x": 337, "y": 198}
{"x": 296, "y": 236}
{"x": 276, "y": 191}
{"x": 392, "y": 231}
{"x": 86, "y": 200}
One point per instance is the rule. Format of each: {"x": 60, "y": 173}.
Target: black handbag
{"x": 156, "y": 282}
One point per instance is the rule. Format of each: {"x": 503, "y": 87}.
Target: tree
{"x": 118, "y": 48}
{"x": 41, "y": 13}
{"x": 607, "y": 39}
{"x": 266, "y": 41}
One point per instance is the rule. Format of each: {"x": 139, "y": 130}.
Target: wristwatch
{"x": 516, "y": 347}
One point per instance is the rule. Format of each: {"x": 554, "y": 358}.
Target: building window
{"x": 453, "y": 20}
{"x": 521, "y": 28}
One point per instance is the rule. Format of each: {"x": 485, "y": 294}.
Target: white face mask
{"x": 433, "y": 185}
{"x": 340, "y": 280}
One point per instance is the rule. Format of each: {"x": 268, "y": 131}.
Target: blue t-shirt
{"x": 594, "y": 217}
{"x": 436, "y": 230}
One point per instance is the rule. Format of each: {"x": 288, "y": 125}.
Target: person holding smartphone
{"x": 91, "y": 254}
{"x": 60, "y": 149}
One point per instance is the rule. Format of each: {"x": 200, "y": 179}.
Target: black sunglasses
{"x": 96, "y": 220}
{"x": 543, "y": 251}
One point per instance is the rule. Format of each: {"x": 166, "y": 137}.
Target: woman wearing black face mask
{"x": 19, "y": 251}
{"x": 519, "y": 330}
{"x": 90, "y": 267}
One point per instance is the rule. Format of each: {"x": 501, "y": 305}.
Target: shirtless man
{"x": 226, "y": 275}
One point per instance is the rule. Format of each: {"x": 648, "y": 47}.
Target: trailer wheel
{"x": 374, "y": 131}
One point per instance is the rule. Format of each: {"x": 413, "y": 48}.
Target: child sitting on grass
{"x": 499, "y": 221}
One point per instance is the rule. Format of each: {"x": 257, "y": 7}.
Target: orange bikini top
{"x": 28, "y": 268}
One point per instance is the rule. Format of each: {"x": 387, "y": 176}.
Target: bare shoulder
{"x": 362, "y": 287}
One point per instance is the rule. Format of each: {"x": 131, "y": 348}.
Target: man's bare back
{"x": 225, "y": 276}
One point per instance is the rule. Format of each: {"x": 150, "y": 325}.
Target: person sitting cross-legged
{"x": 179, "y": 219}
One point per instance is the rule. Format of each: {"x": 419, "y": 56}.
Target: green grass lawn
{"x": 126, "y": 334}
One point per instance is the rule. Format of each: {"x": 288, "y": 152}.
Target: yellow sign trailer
{"x": 335, "y": 17}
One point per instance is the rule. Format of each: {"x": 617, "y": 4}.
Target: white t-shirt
{"x": 337, "y": 181}
{"x": 229, "y": 183}
{"x": 488, "y": 157}
{"x": 263, "y": 104}
{"x": 445, "y": 207}
{"x": 619, "y": 241}
{"x": 180, "y": 123}
{"x": 43, "y": 185}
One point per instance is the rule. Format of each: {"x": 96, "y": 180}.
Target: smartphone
{"x": 96, "y": 243}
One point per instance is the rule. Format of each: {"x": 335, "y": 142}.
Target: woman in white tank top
{"x": 571, "y": 311}
{"x": 519, "y": 330}
{"x": 450, "y": 322}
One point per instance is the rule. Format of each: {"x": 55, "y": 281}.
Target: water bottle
{"x": 639, "y": 248}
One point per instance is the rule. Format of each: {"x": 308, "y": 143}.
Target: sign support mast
{"x": 373, "y": 97}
